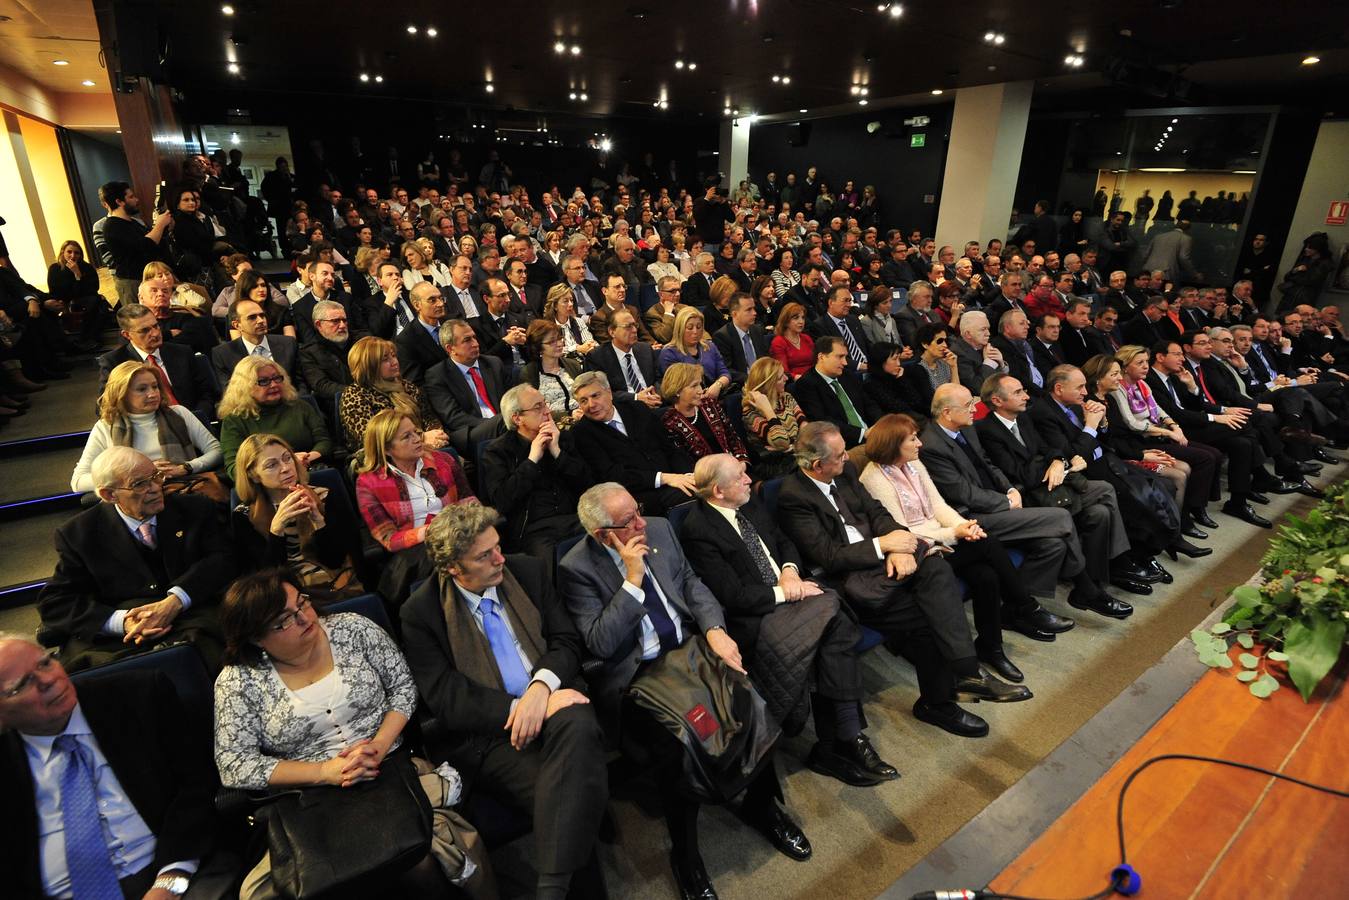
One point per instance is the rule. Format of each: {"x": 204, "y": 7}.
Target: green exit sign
{"x": 918, "y": 140}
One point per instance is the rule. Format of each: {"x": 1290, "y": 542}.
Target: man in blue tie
{"x": 498, "y": 663}
{"x": 108, "y": 790}
{"x": 740, "y": 340}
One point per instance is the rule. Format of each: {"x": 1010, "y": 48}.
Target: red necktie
{"x": 481, "y": 388}
{"x": 164, "y": 381}
{"x": 1199, "y": 374}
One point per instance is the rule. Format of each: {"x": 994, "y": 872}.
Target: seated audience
{"x": 252, "y": 285}
{"x": 897, "y": 480}
{"x": 877, "y": 322}
{"x": 422, "y": 266}
{"x": 691, "y": 344}
{"x": 634, "y": 599}
{"x": 791, "y": 346}
{"x": 891, "y": 385}
{"x": 108, "y": 786}
{"x": 917, "y": 312}
{"x": 132, "y": 412}
{"x": 695, "y": 422}
{"x": 615, "y": 292}
{"x": 497, "y": 660}
{"x": 560, "y": 308}
{"x": 627, "y": 361}
{"x": 377, "y": 384}
{"x": 323, "y": 288}
{"x": 624, "y": 441}
{"x": 402, "y": 484}
{"x": 935, "y": 365}
{"x": 839, "y": 321}
{"x": 976, "y": 357}
{"x": 830, "y": 393}
{"x": 248, "y": 319}
{"x": 179, "y": 327}
{"x": 741, "y": 341}
{"x": 187, "y": 383}
{"x": 388, "y": 309}
{"x": 73, "y": 283}
{"x": 772, "y": 419}
{"x": 140, "y": 569}
{"x": 260, "y": 399}
{"x": 419, "y": 346}
{"x": 323, "y": 360}
{"x": 551, "y": 371}
{"x": 1013, "y": 341}
{"x": 773, "y": 614}
{"x": 660, "y": 318}
{"x": 465, "y": 389}
{"x": 310, "y": 699}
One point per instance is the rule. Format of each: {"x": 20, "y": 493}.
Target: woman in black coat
{"x": 73, "y": 281}
{"x": 1073, "y": 233}
{"x": 889, "y": 385}
{"x": 192, "y": 236}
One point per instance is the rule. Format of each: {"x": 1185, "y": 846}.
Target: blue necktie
{"x": 749, "y": 350}
{"x": 92, "y": 874}
{"x": 1078, "y": 422}
{"x": 513, "y": 674}
{"x": 1035, "y": 375}
{"x": 660, "y": 619}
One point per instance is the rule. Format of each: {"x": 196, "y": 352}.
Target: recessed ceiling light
{"x": 803, "y": 110}
{"x": 1174, "y": 121}
{"x": 1311, "y": 60}
{"x": 87, "y": 83}
{"x": 489, "y": 87}
{"x": 786, "y": 79}
{"x": 60, "y": 62}
{"x": 575, "y": 49}
{"x": 584, "y": 96}
{"x": 227, "y": 9}
{"x": 432, "y": 32}
{"x": 233, "y": 68}
{"x": 679, "y": 64}
{"x": 777, "y": 78}
{"x": 571, "y": 96}
{"x": 379, "y": 79}
{"x": 862, "y": 102}
{"x": 364, "y": 77}
{"x": 936, "y": 92}
{"x": 412, "y": 29}
{"x": 692, "y": 66}
{"x": 559, "y": 47}
{"x": 864, "y": 91}
{"x": 994, "y": 37}
{"x": 855, "y": 90}
{"x": 896, "y": 10}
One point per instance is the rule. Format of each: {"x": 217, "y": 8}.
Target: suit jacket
{"x": 100, "y": 568}
{"x": 695, "y": 291}
{"x": 813, "y": 301}
{"x": 720, "y": 558}
{"x": 825, "y": 326}
{"x": 910, "y": 320}
{"x": 1139, "y": 330}
{"x": 599, "y": 323}
{"x": 1062, "y": 436}
{"x": 631, "y": 459}
{"x": 285, "y": 353}
{"x": 473, "y": 713}
{"x": 417, "y": 352}
{"x": 189, "y": 374}
{"x": 1191, "y": 412}
{"x": 604, "y": 358}
{"x": 1024, "y": 465}
{"x": 324, "y": 367}
{"x": 381, "y": 318}
{"x": 456, "y": 402}
{"x": 302, "y": 311}
{"x": 592, "y": 291}
{"x": 732, "y": 349}
{"x": 609, "y": 617}
{"x": 1224, "y": 384}
{"x": 995, "y": 310}
{"x": 444, "y": 250}
{"x": 970, "y": 362}
{"x": 531, "y": 304}
{"x": 491, "y": 333}
{"x": 1018, "y": 366}
{"x": 818, "y": 401}
{"x": 955, "y": 475}
{"x": 1192, "y": 318}
{"x": 160, "y": 755}
{"x": 1046, "y": 358}
{"x": 1076, "y": 344}
{"x": 810, "y": 520}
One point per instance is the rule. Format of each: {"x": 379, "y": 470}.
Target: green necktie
{"x": 848, "y": 409}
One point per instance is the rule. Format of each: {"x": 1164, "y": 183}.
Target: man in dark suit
{"x": 968, "y": 480}
{"x": 501, "y": 332}
{"x": 741, "y": 341}
{"x": 1017, "y": 351}
{"x": 249, "y": 319}
{"x": 1075, "y": 339}
{"x": 810, "y": 293}
{"x": 498, "y": 661}
{"x": 321, "y": 287}
{"x": 108, "y": 788}
{"x": 976, "y": 357}
{"x": 187, "y": 374}
{"x": 587, "y": 293}
{"x": 193, "y": 332}
{"x": 615, "y": 293}
{"x": 1011, "y": 286}
{"x": 446, "y": 248}
{"x": 916, "y": 313}
{"x": 137, "y": 570}
{"x": 390, "y": 311}
{"x": 830, "y": 393}
{"x": 465, "y": 389}
{"x": 628, "y": 362}
{"x": 754, "y": 571}
{"x": 1151, "y": 324}
{"x": 526, "y": 298}
{"x": 839, "y": 321}
{"x": 624, "y": 441}
{"x": 696, "y": 290}
{"x": 419, "y": 345}
{"x": 634, "y": 598}
{"x": 1045, "y": 345}
{"x": 1104, "y": 334}
{"x": 890, "y": 578}
{"x": 323, "y": 361}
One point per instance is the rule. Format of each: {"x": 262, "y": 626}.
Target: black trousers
{"x": 995, "y": 588}
{"x": 1243, "y": 453}
{"x": 1204, "y": 462}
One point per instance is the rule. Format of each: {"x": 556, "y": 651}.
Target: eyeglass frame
{"x": 43, "y": 664}
{"x": 290, "y": 617}
{"x": 141, "y": 485}
{"x": 635, "y": 516}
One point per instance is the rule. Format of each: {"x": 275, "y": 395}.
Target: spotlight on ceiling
{"x": 233, "y": 68}
{"x": 575, "y": 49}
{"x": 365, "y": 77}
{"x": 412, "y": 29}
{"x": 60, "y": 62}
{"x": 432, "y": 32}
{"x": 87, "y": 83}
{"x": 227, "y": 9}
{"x": 559, "y": 47}
{"x": 1310, "y": 60}
{"x": 896, "y": 10}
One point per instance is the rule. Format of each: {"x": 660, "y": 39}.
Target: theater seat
{"x": 181, "y": 663}
{"x": 677, "y": 514}
{"x": 368, "y": 605}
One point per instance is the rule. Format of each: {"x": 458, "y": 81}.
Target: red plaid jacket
{"x": 383, "y": 498}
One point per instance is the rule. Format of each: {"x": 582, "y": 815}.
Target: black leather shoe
{"x": 1182, "y": 546}
{"x": 1133, "y": 586}
{"x": 1307, "y": 489}
{"x": 1131, "y": 570}
{"x": 1005, "y": 668}
{"x": 692, "y": 879}
{"x": 986, "y": 687}
{"x": 1030, "y": 630}
{"x": 1257, "y": 497}
{"x": 1244, "y": 512}
{"x": 1203, "y": 518}
{"x": 1301, "y": 436}
{"x": 1306, "y": 467}
{"x": 863, "y": 754}
{"x": 1045, "y": 620}
{"x": 784, "y": 834}
{"x": 1102, "y": 604}
{"x": 1193, "y": 532}
{"x": 833, "y": 759}
{"x": 1159, "y": 572}
{"x": 1327, "y": 457}
{"x": 1278, "y": 486}
{"x": 950, "y": 717}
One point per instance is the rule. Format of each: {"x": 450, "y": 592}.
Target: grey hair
{"x": 585, "y": 379}
{"x": 590, "y": 509}
{"x": 447, "y": 329}
{"x": 1059, "y": 375}
{"x": 666, "y": 280}
{"x": 325, "y": 306}
{"x": 920, "y": 287}
{"x": 941, "y": 398}
{"x": 713, "y": 471}
{"x": 576, "y": 240}
{"x": 1244, "y": 329}
{"x": 970, "y": 320}
{"x": 113, "y": 465}
{"x": 698, "y": 260}
{"x": 512, "y": 402}
{"x": 1217, "y": 330}
{"x": 811, "y": 442}
{"x": 454, "y": 529}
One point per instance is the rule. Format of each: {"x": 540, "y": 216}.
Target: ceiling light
{"x": 87, "y": 83}
{"x": 692, "y": 66}
{"x": 432, "y": 32}
{"x": 1074, "y": 60}
{"x": 379, "y": 79}
{"x": 227, "y": 9}
{"x": 1163, "y": 169}
{"x": 803, "y": 110}
{"x": 880, "y": 7}
{"x": 988, "y": 37}
{"x": 489, "y": 87}
{"x": 571, "y": 96}
{"x": 60, "y": 62}
{"x": 664, "y": 104}
{"x": 786, "y": 79}
{"x": 863, "y": 91}
{"x": 936, "y": 92}
{"x": 1310, "y": 60}
{"x": 559, "y": 47}
{"x": 1174, "y": 121}
{"x": 575, "y": 49}
{"x": 365, "y": 77}
{"x": 412, "y": 29}
{"x": 855, "y": 90}
{"x": 679, "y": 64}
{"x": 994, "y": 37}
{"x": 1243, "y": 171}
{"x": 584, "y": 96}
{"x": 233, "y": 68}
{"x": 726, "y": 111}
{"x": 896, "y": 10}
{"x": 777, "y": 78}
{"x": 862, "y": 102}
{"x": 605, "y": 145}
{"x": 234, "y": 137}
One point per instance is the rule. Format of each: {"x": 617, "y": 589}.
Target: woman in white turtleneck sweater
{"x": 130, "y": 414}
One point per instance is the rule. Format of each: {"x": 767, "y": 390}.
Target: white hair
{"x": 113, "y": 465}
{"x": 592, "y": 508}
{"x": 971, "y": 320}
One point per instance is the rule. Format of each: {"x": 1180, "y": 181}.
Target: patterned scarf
{"x": 468, "y": 644}
{"x": 174, "y": 440}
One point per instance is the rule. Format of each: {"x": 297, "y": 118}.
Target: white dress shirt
{"x": 779, "y": 595}
{"x": 547, "y": 676}
{"x": 854, "y": 536}
{"x": 650, "y": 639}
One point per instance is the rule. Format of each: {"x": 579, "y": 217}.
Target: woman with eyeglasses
{"x": 282, "y": 520}
{"x": 551, "y": 370}
{"x": 936, "y": 364}
{"x": 261, "y": 399}
{"x": 132, "y": 413}
{"x": 559, "y": 307}
{"x": 307, "y": 699}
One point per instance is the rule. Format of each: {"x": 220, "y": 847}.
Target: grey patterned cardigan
{"x": 256, "y": 726}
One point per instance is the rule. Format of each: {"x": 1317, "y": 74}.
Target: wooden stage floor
{"x": 1197, "y": 830}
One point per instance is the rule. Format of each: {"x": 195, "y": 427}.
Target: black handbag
{"x": 1067, "y": 495}
{"x": 324, "y": 839}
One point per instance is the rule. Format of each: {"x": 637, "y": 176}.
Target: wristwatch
{"x": 174, "y": 884}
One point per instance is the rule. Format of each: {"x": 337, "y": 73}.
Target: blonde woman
{"x": 690, "y": 344}
{"x": 422, "y": 265}
{"x": 282, "y": 520}
{"x": 131, "y": 414}
{"x": 367, "y": 265}
{"x": 376, "y": 385}
{"x": 559, "y": 307}
{"x": 694, "y": 420}
{"x": 772, "y": 418}
{"x": 260, "y": 398}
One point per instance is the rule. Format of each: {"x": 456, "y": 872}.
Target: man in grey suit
{"x": 249, "y": 319}
{"x": 917, "y": 313}
{"x": 976, "y": 357}
{"x": 1169, "y": 253}
{"x": 968, "y": 480}
{"x": 634, "y": 598}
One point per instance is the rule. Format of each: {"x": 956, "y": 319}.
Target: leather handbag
{"x": 325, "y": 838}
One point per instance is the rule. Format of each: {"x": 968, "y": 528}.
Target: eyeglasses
{"x": 540, "y": 407}
{"x": 44, "y": 664}
{"x": 268, "y": 382}
{"x": 632, "y": 518}
{"x": 287, "y": 619}
{"x": 341, "y": 320}
{"x": 141, "y": 485}
{"x": 141, "y": 332}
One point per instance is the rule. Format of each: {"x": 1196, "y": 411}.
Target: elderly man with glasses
{"x": 138, "y": 570}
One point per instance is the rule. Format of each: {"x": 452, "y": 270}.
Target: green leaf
{"x": 1312, "y": 648}
{"x": 1200, "y": 638}
{"x": 1248, "y": 660}
{"x": 1261, "y": 689}
{"x": 1276, "y": 656}
{"x": 1220, "y": 628}
{"x": 1239, "y": 615}
{"x": 1224, "y": 661}
{"x": 1245, "y": 640}
{"x": 1270, "y": 681}
{"x": 1247, "y": 675}
{"x": 1247, "y": 597}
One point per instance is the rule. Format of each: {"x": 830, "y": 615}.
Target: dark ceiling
{"x": 828, "y": 49}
